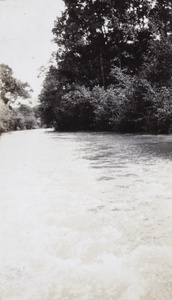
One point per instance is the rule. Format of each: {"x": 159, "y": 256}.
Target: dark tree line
{"x": 113, "y": 67}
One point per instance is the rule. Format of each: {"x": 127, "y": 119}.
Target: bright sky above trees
{"x": 25, "y": 36}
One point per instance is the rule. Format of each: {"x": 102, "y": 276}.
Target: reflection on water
{"x": 129, "y": 148}
{"x": 85, "y": 216}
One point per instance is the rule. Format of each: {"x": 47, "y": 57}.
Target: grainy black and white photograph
{"x": 85, "y": 150}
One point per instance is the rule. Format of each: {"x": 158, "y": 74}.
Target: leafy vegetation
{"x": 14, "y": 117}
{"x": 113, "y": 67}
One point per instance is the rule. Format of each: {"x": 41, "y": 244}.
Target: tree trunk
{"x": 102, "y": 69}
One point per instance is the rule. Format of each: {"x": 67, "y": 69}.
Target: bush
{"x": 133, "y": 104}
{"x": 75, "y": 110}
{"x": 109, "y": 107}
{"x": 162, "y": 116}
{"x": 139, "y": 106}
{"x": 16, "y": 119}
{"x": 5, "y": 116}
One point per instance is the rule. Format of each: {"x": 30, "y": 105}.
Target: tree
{"x": 113, "y": 63}
{"x": 157, "y": 64}
{"x": 13, "y": 118}
{"x": 90, "y": 35}
{"x": 161, "y": 14}
{"x": 10, "y": 87}
{"x": 50, "y": 97}
{"x": 93, "y": 34}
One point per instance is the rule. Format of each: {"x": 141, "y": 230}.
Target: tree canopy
{"x": 124, "y": 46}
{"x": 10, "y": 87}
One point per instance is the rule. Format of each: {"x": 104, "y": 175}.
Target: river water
{"x": 85, "y": 216}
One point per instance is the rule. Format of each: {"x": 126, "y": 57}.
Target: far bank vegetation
{"x": 13, "y": 116}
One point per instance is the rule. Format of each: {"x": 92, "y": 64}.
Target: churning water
{"x": 85, "y": 216}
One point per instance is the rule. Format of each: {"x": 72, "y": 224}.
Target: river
{"x": 85, "y": 216}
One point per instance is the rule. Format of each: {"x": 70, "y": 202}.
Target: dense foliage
{"x": 10, "y": 87}
{"x": 14, "y": 117}
{"x": 114, "y": 67}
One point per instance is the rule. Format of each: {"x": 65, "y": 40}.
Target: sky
{"x": 26, "y": 37}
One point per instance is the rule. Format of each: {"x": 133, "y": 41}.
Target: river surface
{"x": 85, "y": 216}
